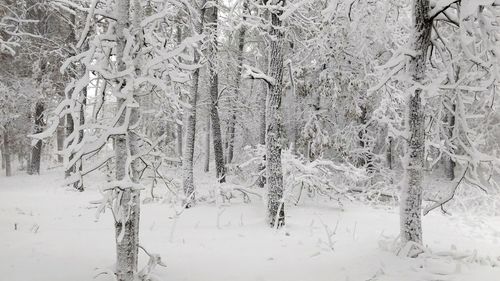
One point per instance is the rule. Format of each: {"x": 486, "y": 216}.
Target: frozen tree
{"x": 411, "y": 198}
{"x": 212, "y": 10}
{"x": 274, "y": 178}
{"x": 187, "y": 159}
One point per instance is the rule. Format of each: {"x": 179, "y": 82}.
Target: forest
{"x": 278, "y": 140}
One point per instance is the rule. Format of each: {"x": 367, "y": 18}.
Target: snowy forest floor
{"x": 50, "y": 233}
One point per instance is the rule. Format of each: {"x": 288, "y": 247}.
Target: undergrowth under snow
{"x": 50, "y": 233}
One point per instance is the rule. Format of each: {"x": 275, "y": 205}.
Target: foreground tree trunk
{"x": 127, "y": 228}
{"x": 275, "y": 204}
{"x": 411, "y": 197}
{"x": 6, "y": 153}
{"x": 212, "y": 19}
{"x": 36, "y": 150}
{"x": 187, "y": 159}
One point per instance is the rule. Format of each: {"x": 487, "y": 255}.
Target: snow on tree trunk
{"x": 241, "y": 46}
{"x": 262, "y": 114}
{"x": 212, "y": 19}
{"x": 187, "y": 159}
{"x": 179, "y": 129}
{"x": 411, "y": 197}
{"x": 126, "y": 229}
{"x": 36, "y": 150}
{"x": 207, "y": 145}
{"x": 275, "y": 204}
{"x": 261, "y": 181}
{"x": 69, "y": 128}
{"x": 6, "y": 153}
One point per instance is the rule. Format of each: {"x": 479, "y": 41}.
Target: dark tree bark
{"x": 449, "y": 163}
{"x": 389, "y": 153}
{"x": 212, "y": 19}
{"x": 179, "y": 129}
{"x": 366, "y": 158}
{"x": 411, "y": 197}
{"x": 275, "y": 204}
{"x": 233, "y": 119}
{"x": 187, "y": 159}
{"x": 207, "y": 146}
{"x": 60, "y": 140}
{"x": 6, "y": 153}
{"x": 36, "y": 150}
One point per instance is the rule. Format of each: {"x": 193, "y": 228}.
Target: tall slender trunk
{"x": 449, "y": 163}
{"x": 60, "y": 140}
{"x": 389, "y": 153}
{"x": 187, "y": 159}
{"x": 3, "y": 159}
{"x": 411, "y": 197}
{"x": 262, "y": 113}
{"x": 36, "y": 150}
{"x": 179, "y": 129}
{"x": 233, "y": 118}
{"x": 127, "y": 229}
{"x": 275, "y": 204}
{"x": 212, "y": 54}
{"x": 78, "y": 185}
{"x": 6, "y": 153}
{"x": 69, "y": 128}
{"x": 261, "y": 181}
{"x": 207, "y": 146}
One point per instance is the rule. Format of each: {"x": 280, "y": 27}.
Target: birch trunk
{"x": 36, "y": 150}
{"x": 212, "y": 19}
{"x": 411, "y": 198}
{"x": 275, "y": 204}
{"x": 187, "y": 159}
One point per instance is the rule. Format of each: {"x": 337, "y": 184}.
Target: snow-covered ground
{"x": 50, "y": 233}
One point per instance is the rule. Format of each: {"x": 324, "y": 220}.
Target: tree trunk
{"x": 187, "y": 159}
{"x": 389, "y": 153}
{"x": 60, "y": 140}
{"x": 212, "y": 19}
{"x": 126, "y": 229}
{"x": 261, "y": 181}
{"x": 6, "y": 153}
{"x": 366, "y": 158}
{"x": 207, "y": 146}
{"x": 36, "y": 150}
{"x": 241, "y": 46}
{"x": 275, "y": 207}
{"x": 179, "y": 131}
{"x": 70, "y": 127}
{"x": 449, "y": 163}
{"x": 411, "y": 197}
